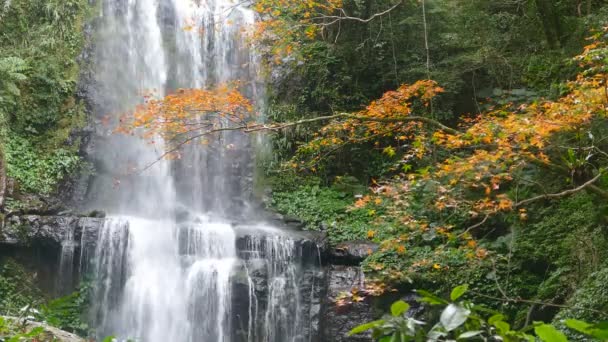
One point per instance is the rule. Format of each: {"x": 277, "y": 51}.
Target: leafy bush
{"x": 35, "y": 170}
{"x": 464, "y": 320}
{"x": 588, "y": 301}
{"x": 68, "y": 313}
{"x": 39, "y": 70}
{"x": 17, "y": 289}
{"x": 11, "y": 331}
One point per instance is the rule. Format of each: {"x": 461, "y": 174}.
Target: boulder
{"x": 337, "y": 321}
{"x": 351, "y": 252}
{"x": 49, "y": 334}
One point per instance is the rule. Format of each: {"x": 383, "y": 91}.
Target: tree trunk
{"x": 550, "y": 22}
{"x": 2, "y": 179}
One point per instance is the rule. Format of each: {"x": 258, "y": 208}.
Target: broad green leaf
{"x": 503, "y": 327}
{"x": 579, "y": 326}
{"x": 496, "y": 318}
{"x": 548, "y": 333}
{"x": 109, "y": 339}
{"x": 453, "y": 316}
{"x": 430, "y": 298}
{"x": 470, "y": 334}
{"x": 361, "y": 328}
{"x": 601, "y": 325}
{"x": 386, "y": 339}
{"x": 399, "y": 307}
{"x": 458, "y": 291}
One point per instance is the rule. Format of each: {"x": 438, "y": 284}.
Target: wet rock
{"x": 254, "y": 296}
{"x": 293, "y": 222}
{"x": 337, "y": 321}
{"x": 51, "y": 231}
{"x": 30, "y": 204}
{"x": 351, "y": 253}
{"x": 96, "y": 214}
{"x": 309, "y": 247}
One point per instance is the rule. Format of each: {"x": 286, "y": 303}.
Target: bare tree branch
{"x": 479, "y": 224}
{"x": 344, "y": 16}
{"x": 560, "y": 194}
{"x": 362, "y": 118}
{"x": 257, "y": 127}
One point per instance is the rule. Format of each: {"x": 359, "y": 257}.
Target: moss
{"x": 588, "y": 301}
{"x": 322, "y": 207}
{"x": 48, "y": 36}
{"x": 563, "y": 244}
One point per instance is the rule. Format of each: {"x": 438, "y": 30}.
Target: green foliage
{"x": 587, "y": 303}
{"x": 520, "y": 48}
{"x": 17, "y": 289}
{"x": 18, "y": 292}
{"x": 563, "y": 244}
{"x": 34, "y": 170}
{"x": 69, "y": 313}
{"x": 462, "y": 320}
{"x": 11, "y": 331}
{"x": 458, "y": 320}
{"x": 322, "y": 207}
{"x": 39, "y": 71}
{"x": 12, "y": 71}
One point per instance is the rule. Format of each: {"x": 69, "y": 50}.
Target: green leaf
{"x": 503, "y": 327}
{"x": 470, "y": 334}
{"x": 453, "y": 316}
{"x": 361, "y": 328}
{"x": 458, "y": 291}
{"x": 579, "y": 326}
{"x": 430, "y": 298}
{"x": 389, "y": 151}
{"x": 548, "y": 333}
{"x": 35, "y": 332}
{"x": 496, "y": 318}
{"x": 599, "y": 331}
{"x": 399, "y": 307}
{"x": 109, "y": 339}
{"x": 386, "y": 339}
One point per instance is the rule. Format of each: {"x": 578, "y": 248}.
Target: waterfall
{"x": 166, "y": 263}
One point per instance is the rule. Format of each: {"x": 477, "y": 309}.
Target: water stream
{"x": 182, "y": 256}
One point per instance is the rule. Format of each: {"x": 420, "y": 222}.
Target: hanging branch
{"x": 560, "y": 194}
{"x": 344, "y": 16}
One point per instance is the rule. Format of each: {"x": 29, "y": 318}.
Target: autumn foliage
{"x": 448, "y": 204}
{"x": 188, "y": 115}
{"x": 447, "y": 183}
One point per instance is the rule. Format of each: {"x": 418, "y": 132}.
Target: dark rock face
{"x": 351, "y": 253}
{"x": 49, "y": 230}
{"x": 254, "y": 311}
{"x": 277, "y": 287}
{"x": 338, "y": 321}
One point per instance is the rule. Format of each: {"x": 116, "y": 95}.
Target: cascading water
{"x": 167, "y": 262}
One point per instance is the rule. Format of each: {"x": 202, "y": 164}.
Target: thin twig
{"x": 479, "y": 224}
